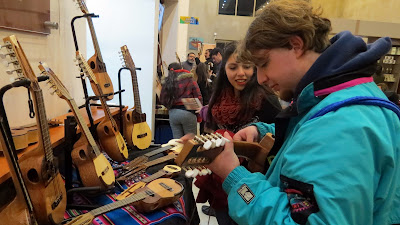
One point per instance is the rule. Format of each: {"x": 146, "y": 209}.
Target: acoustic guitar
{"x": 202, "y": 150}
{"x": 137, "y": 130}
{"x": 167, "y": 171}
{"x": 108, "y": 133}
{"x": 94, "y": 168}
{"x": 39, "y": 171}
{"x": 96, "y": 62}
{"x": 155, "y": 195}
{"x": 19, "y": 209}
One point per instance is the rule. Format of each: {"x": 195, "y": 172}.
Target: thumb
{"x": 229, "y": 141}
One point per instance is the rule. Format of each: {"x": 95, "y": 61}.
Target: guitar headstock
{"x": 17, "y": 58}
{"x": 85, "y": 67}
{"x": 82, "y": 6}
{"x": 202, "y": 150}
{"x": 55, "y": 83}
{"x": 127, "y": 58}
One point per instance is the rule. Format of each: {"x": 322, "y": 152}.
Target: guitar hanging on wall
{"x": 40, "y": 173}
{"x": 137, "y": 130}
{"x": 108, "y": 133}
{"x": 96, "y": 62}
{"x": 94, "y": 168}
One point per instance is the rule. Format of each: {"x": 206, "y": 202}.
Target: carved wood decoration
{"x": 25, "y": 15}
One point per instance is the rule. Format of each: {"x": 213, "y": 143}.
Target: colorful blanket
{"x": 128, "y": 214}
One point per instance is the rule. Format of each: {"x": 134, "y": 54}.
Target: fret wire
{"x": 44, "y": 128}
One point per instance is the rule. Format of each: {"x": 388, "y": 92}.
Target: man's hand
{"x": 226, "y": 161}
{"x": 249, "y": 134}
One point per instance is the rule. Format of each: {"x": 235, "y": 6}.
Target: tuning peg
{"x": 189, "y": 173}
{"x": 10, "y": 71}
{"x": 5, "y": 45}
{"x": 3, "y": 56}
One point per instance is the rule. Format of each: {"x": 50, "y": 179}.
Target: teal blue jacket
{"x": 350, "y": 156}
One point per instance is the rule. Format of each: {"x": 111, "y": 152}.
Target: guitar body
{"x": 99, "y": 70}
{"x": 138, "y": 132}
{"x": 15, "y": 213}
{"x": 95, "y": 171}
{"x": 112, "y": 141}
{"x": 162, "y": 196}
{"x": 48, "y": 197}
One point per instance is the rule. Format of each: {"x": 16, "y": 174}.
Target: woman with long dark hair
{"x": 237, "y": 101}
{"x": 177, "y": 85}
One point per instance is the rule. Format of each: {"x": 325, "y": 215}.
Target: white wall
{"x": 132, "y": 23}
{"x": 57, "y": 50}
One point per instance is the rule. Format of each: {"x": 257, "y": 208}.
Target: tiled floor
{"x": 204, "y": 219}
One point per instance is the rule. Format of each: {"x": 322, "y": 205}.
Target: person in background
{"x": 216, "y": 56}
{"x": 207, "y": 55}
{"x": 237, "y": 101}
{"x": 337, "y": 146}
{"x": 190, "y": 61}
{"x": 177, "y": 85}
{"x": 202, "y": 75}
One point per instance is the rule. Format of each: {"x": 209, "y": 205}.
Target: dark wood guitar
{"x": 137, "y": 130}
{"x": 202, "y": 150}
{"x": 40, "y": 173}
{"x": 108, "y": 133}
{"x": 155, "y": 195}
{"x": 94, "y": 168}
{"x": 96, "y": 62}
{"x": 19, "y": 211}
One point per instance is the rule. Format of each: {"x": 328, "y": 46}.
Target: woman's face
{"x": 239, "y": 74}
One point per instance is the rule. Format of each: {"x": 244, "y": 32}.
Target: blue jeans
{"x": 182, "y": 122}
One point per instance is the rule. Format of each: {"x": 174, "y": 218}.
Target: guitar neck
{"x": 136, "y": 95}
{"x": 154, "y": 176}
{"x": 94, "y": 39}
{"x": 155, "y": 152}
{"x": 106, "y": 109}
{"x": 121, "y": 203}
{"x": 159, "y": 160}
{"x": 83, "y": 126}
{"x": 42, "y": 124}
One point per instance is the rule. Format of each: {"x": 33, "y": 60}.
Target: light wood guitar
{"x": 40, "y": 173}
{"x": 94, "y": 168}
{"x": 96, "y": 62}
{"x": 155, "y": 195}
{"x": 108, "y": 133}
{"x": 167, "y": 171}
{"x": 202, "y": 150}
{"x": 137, "y": 130}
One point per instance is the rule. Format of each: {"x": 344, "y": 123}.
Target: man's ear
{"x": 297, "y": 45}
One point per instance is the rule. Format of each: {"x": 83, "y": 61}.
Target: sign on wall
{"x": 194, "y": 42}
{"x": 189, "y": 20}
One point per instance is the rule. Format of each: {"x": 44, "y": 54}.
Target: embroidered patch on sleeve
{"x": 246, "y": 194}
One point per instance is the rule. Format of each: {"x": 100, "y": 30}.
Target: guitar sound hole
{"x": 128, "y": 117}
{"x": 82, "y": 154}
{"x": 106, "y": 130}
{"x": 92, "y": 65}
{"x": 33, "y": 176}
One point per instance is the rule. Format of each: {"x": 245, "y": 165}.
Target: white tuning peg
{"x": 5, "y": 45}
{"x": 5, "y": 63}
{"x": 209, "y": 171}
{"x": 3, "y": 56}
{"x": 195, "y": 172}
{"x": 189, "y": 173}
{"x": 207, "y": 145}
{"x": 10, "y": 71}
{"x": 204, "y": 171}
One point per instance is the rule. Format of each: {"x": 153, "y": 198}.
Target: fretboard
{"x": 42, "y": 122}
{"x": 154, "y": 176}
{"x": 118, "y": 204}
{"x": 83, "y": 126}
{"x": 156, "y": 151}
{"x": 136, "y": 95}
{"x": 160, "y": 160}
{"x": 94, "y": 39}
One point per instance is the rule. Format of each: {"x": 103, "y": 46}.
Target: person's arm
{"x": 333, "y": 159}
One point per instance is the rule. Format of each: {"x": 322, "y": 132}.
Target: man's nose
{"x": 261, "y": 76}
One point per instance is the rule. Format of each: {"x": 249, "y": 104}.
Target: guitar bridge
{"x": 166, "y": 186}
{"x": 56, "y": 202}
